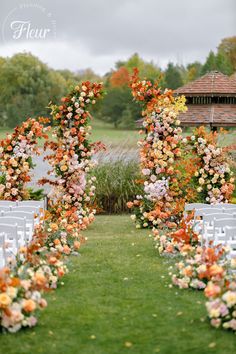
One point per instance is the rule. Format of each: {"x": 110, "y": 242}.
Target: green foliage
{"x": 228, "y": 48}
{"x": 36, "y": 194}
{"x": 193, "y": 71}
{"x": 173, "y": 77}
{"x": 115, "y": 185}
{"x": 116, "y": 104}
{"x": 26, "y": 86}
{"x": 219, "y": 62}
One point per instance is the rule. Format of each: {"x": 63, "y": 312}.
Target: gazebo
{"x": 211, "y": 100}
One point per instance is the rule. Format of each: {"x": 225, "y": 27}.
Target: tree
{"x": 193, "y": 71}
{"x": 26, "y": 86}
{"x": 223, "y": 64}
{"x": 228, "y": 47}
{"x": 173, "y": 77}
{"x": 210, "y": 63}
{"x": 120, "y": 77}
{"x": 218, "y": 62}
{"x": 127, "y": 119}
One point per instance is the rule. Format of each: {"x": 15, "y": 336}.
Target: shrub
{"x": 116, "y": 185}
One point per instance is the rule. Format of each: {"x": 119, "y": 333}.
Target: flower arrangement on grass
{"x": 172, "y": 242}
{"x": 221, "y": 304}
{"x": 70, "y": 159}
{"x": 159, "y": 150}
{"x": 16, "y": 152}
{"x": 198, "y": 266}
{"x": 37, "y": 267}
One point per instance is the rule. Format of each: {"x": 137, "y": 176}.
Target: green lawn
{"x": 104, "y": 132}
{"x": 112, "y": 137}
{"x": 116, "y": 300}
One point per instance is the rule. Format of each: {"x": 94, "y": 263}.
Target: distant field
{"x": 112, "y": 137}
{"x": 103, "y": 132}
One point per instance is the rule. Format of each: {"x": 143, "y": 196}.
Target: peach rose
{"x": 76, "y": 245}
{"x": 29, "y": 305}
{"x": 5, "y": 300}
{"x": 212, "y": 290}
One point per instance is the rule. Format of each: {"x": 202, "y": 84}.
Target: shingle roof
{"x": 214, "y": 114}
{"x": 212, "y": 83}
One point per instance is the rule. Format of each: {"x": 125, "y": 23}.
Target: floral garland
{"x": 159, "y": 151}
{"x": 71, "y": 157}
{"x": 214, "y": 180}
{"x": 39, "y": 266}
{"x": 16, "y": 153}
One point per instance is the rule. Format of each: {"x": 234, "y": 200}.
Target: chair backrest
{"x": 230, "y": 232}
{"x": 10, "y": 230}
{"x": 226, "y": 222}
{"x": 230, "y": 210}
{"x": 205, "y": 211}
{"x": 2, "y": 246}
{"x": 7, "y": 203}
{"x": 192, "y": 206}
{"x": 29, "y": 216}
{"x": 226, "y": 205}
{"x": 28, "y": 209}
{"x": 33, "y": 203}
{"x": 21, "y": 222}
{"x": 5, "y": 207}
{"x": 217, "y": 216}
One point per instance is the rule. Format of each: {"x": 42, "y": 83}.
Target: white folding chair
{"x": 219, "y": 227}
{"x": 33, "y": 203}
{"x": 198, "y": 223}
{"x": 227, "y": 205}
{"x": 208, "y": 228}
{"x": 7, "y": 203}
{"x": 192, "y": 206}
{"x": 27, "y": 209}
{"x": 2, "y": 251}
{"x": 21, "y": 226}
{"x": 5, "y": 207}
{"x": 11, "y": 237}
{"x": 29, "y": 216}
{"x": 230, "y": 235}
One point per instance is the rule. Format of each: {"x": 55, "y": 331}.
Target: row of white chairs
{"x": 215, "y": 223}
{"x": 17, "y": 221}
{"x": 37, "y": 203}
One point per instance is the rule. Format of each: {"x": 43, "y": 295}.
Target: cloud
{"x": 97, "y": 33}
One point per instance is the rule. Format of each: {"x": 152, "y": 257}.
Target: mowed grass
{"x": 103, "y": 132}
{"x": 111, "y": 137}
{"x": 116, "y": 299}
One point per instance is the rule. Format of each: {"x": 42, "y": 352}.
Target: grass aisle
{"x": 116, "y": 300}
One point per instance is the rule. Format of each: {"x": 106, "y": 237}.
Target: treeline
{"x": 27, "y": 84}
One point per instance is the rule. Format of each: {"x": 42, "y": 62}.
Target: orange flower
{"x": 212, "y": 290}
{"x": 66, "y": 249}
{"x": 57, "y": 242}
{"x": 76, "y": 245}
{"x": 5, "y": 300}
{"x": 60, "y": 272}
{"x": 29, "y": 305}
{"x": 215, "y": 270}
{"x": 40, "y": 279}
{"x": 54, "y": 227}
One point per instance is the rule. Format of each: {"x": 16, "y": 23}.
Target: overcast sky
{"x": 96, "y": 33}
